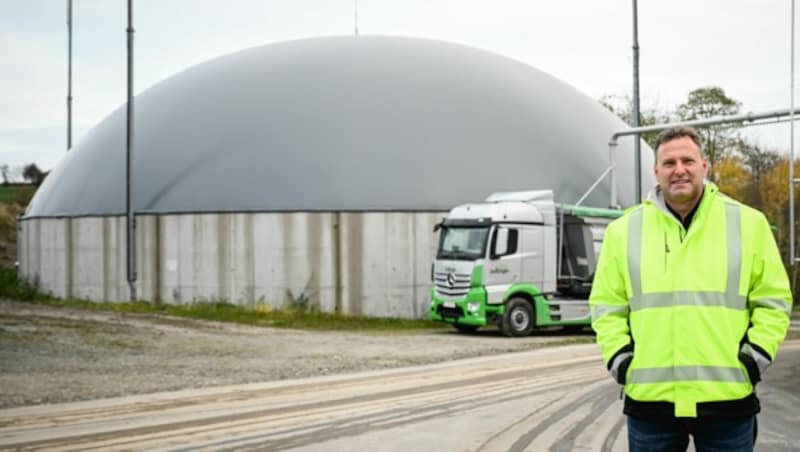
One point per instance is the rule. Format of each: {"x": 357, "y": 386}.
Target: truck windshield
{"x": 462, "y": 243}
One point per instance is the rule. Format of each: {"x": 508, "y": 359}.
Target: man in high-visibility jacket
{"x": 690, "y": 302}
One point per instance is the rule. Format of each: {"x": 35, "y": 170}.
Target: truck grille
{"x": 452, "y": 284}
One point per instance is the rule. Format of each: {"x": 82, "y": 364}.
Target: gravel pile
{"x": 50, "y": 355}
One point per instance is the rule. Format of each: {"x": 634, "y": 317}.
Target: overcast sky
{"x": 741, "y": 46}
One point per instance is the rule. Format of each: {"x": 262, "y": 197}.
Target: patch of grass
{"x": 19, "y": 194}
{"x": 8, "y": 194}
{"x": 12, "y": 287}
{"x": 294, "y": 318}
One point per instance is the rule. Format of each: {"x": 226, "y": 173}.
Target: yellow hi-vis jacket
{"x": 690, "y": 318}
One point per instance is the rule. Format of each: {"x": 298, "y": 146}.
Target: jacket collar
{"x": 656, "y": 198}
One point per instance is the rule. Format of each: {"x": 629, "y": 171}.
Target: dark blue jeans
{"x": 729, "y": 435}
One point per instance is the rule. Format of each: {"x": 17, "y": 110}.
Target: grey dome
{"x": 344, "y": 123}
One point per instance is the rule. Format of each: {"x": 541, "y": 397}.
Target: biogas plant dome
{"x": 344, "y": 124}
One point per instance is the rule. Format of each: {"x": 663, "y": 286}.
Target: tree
{"x": 33, "y": 174}
{"x": 708, "y": 102}
{"x": 758, "y": 161}
{"x": 4, "y": 168}
{"x": 774, "y": 192}
{"x": 733, "y": 178}
{"x": 622, "y": 107}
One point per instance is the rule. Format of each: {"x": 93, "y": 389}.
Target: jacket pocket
{"x": 623, "y": 370}
{"x": 752, "y": 368}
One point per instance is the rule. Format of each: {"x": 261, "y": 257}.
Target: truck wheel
{"x": 466, "y": 329}
{"x": 518, "y": 318}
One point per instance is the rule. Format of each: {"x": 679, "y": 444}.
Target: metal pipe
{"x": 613, "y": 202}
{"x": 637, "y": 148}
{"x": 792, "y": 257}
{"x": 743, "y": 117}
{"x": 762, "y": 123}
{"x": 355, "y": 16}
{"x": 69, "y": 74}
{"x": 594, "y": 185}
{"x": 337, "y": 261}
{"x": 751, "y": 117}
{"x": 560, "y": 242}
{"x": 130, "y": 217}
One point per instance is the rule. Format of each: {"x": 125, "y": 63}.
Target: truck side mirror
{"x": 500, "y": 242}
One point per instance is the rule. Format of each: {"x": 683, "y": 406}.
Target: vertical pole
{"x": 131, "y": 218}
{"x": 337, "y": 260}
{"x": 612, "y": 166}
{"x": 69, "y": 74}
{"x": 791, "y": 146}
{"x": 637, "y": 151}
{"x": 355, "y": 16}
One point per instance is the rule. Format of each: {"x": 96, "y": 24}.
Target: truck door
{"x": 581, "y": 243}
{"x": 504, "y": 266}
{"x": 531, "y": 251}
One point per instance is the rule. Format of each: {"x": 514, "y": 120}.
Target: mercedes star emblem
{"x": 451, "y": 280}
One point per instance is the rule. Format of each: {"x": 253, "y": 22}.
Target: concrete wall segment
{"x": 377, "y": 263}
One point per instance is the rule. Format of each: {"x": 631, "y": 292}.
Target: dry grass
{"x": 8, "y": 233}
{"x": 13, "y": 200}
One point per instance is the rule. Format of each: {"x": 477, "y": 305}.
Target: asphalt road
{"x": 557, "y": 399}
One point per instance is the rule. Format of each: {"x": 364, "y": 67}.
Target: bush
{"x": 11, "y": 286}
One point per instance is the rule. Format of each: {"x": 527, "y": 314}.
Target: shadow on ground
{"x": 493, "y": 331}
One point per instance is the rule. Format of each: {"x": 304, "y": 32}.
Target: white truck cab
{"x": 517, "y": 260}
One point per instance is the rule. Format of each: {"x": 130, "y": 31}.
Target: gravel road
{"x": 50, "y": 354}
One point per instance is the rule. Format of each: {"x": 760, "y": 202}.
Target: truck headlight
{"x": 474, "y": 307}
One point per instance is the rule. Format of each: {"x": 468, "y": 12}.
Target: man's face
{"x": 680, "y": 169}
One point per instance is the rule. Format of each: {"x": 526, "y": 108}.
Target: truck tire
{"x": 518, "y": 318}
{"x": 466, "y": 329}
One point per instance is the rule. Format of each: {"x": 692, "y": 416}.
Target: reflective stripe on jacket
{"x": 685, "y": 304}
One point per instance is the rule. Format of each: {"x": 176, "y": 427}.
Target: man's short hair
{"x": 673, "y": 133}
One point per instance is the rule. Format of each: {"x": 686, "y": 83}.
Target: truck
{"x": 519, "y": 260}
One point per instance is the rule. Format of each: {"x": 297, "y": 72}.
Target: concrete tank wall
{"x": 371, "y": 263}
